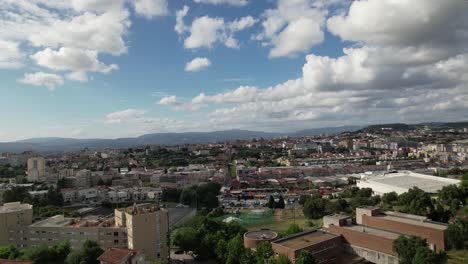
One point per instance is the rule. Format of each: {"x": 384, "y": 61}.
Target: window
{"x": 116, "y": 242}
{"x": 116, "y": 233}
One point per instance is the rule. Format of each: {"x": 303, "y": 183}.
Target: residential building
{"x": 147, "y": 228}
{"x": 36, "y": 169}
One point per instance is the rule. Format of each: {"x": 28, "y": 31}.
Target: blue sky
{"x": 122, "y": 68}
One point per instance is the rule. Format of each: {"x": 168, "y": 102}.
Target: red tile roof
{"x": 9, "y": 261}
{"x": 116, "y": 255}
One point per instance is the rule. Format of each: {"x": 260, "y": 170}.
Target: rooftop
{"x": 304, "y": 239}
{"x": 13, "y": 207}
{"x": 414, "y": 221}
{"x": 373, "y": 231}
{"x": 407, "y": 179}
{"x": 116, "y": 255}
{"x": 261, "y": 235}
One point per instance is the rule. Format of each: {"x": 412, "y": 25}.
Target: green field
{"x": 282, "y": 225}
{"x": 457, "y": 256}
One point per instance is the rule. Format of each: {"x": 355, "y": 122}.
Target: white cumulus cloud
{"x": 197, "y": 64}
{"x": 221, "y": 2}
{"x": 48, "y": 80}
{"x": 151, "y": 8}
{"x": 124, "y": 116}
{"x": 71, "y": 59}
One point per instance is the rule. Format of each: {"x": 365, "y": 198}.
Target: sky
{"x": 123, "y": 68}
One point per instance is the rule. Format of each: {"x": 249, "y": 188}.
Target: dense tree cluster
{"x": 41, "y": 254}
{"x": 8, "y": 171}
{"x": 202, "y": 196}
{"x": 414, "y": 250}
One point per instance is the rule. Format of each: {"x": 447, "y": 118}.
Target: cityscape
{"x": 233, "y": 131}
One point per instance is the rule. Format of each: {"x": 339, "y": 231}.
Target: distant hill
{"x": 325, "y": 130}
{"x": 55, "y": 144}
{"x": 406, "y": 127}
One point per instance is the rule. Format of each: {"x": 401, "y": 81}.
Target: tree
{"x": 185, "y": 238}
{"x": 305, "y": 257}
{"x": 414, "y": 250}
{"x": 263, "y": 252}
{"x": 426, "y": 256}
{"x": 293, "y": 229}
{"x": 271, "y": 202}
{"x": 283, "y": 259}
{"x": 406, "y": 247}
{"x": 457, "y": 234}
{"x": 449, "y": 193}
{"x": 9, "y": 252}
{"x": 314, "y": 208}
{"x": 235, "y": 249}
{"x": 390, "y": 198}
{"x": 415, "y": 201}
{"x": 280, "y": 204}
{"x": 88, "y": 254}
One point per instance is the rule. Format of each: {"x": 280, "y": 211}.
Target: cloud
{"x": 197, "y": 64}
{"x": 382, "y": 76}
{"x": 180, "y": 26}
{"x": 48, "y": 80}
{"x": 10, "y": 55}
{"x": 71, "y": 59}
{"x": 77, "y": 76}
{"x": 237, "y": 3}
{"x": 151, "y": 8}
{"x": 66, "y": 35}
{"x": 169, "y": 100}
{"x": 292, "y": 28}
{"x": 125, "y": 116}
{"x": 206, "y": 31}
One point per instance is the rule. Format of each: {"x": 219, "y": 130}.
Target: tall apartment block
{"x": 36, "y": 169}
{"x": 147, "y": 229}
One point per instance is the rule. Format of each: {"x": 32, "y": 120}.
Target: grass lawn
{"x": 283, "y": 225}
{"x": 457, "y": 256}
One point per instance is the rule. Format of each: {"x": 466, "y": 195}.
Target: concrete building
{"x": 147, "y": 228}
{"x": 401, "y": 182}
{"x": 12, "y": 216}
{"x": 36, "y": 169}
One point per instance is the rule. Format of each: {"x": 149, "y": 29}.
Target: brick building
{"x": 324, "y": 246}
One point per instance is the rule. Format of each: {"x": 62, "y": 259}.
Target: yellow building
{"x": 147, "y": 229}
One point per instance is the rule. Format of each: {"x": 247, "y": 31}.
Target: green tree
{"x": 305, "y": 257}
{"x": 283, "y": 259}
{"x": 185, "y": 238}
{"x": 390, "y": 198}
{"x": 280, "y": 204}
{"x": 426, "y": 256}
{"x": 263, "y": 252}
{"x": 414, "y": 250}
{"x": 9, "y": 252}
{"x": 293, "y": 229}
{"x": 416, "y": 201}
{"x": 271, "y": 202}
{"x": 235, "y": 249}
{"x": 449, "y": 193}
{"x": 314, "y": 208}
{"x": 457, "y": 234}
{"x": 75, "y": 257}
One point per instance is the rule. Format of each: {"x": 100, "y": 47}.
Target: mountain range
{"x": 48, "y": 145}
{"x": 56, "y": 144}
